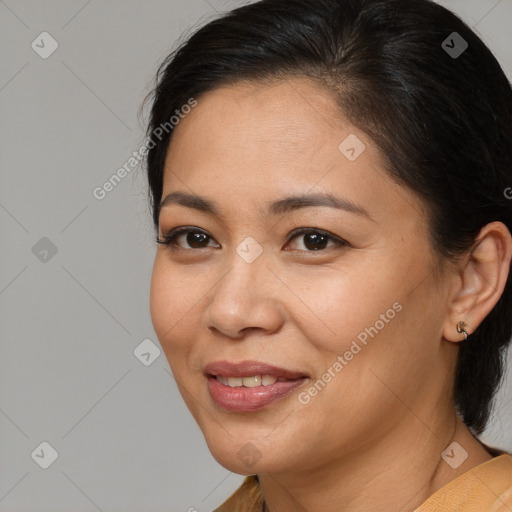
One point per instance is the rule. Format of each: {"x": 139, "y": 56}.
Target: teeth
{"x": 234, "y": 382}
{"x": 268, "y": 380}
{"x": 249, "y": 382}
{"x": 223, "y": 379}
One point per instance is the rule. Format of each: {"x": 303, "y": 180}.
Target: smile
{"x": 249, "y": 382}
{"x": 250, "y": 385}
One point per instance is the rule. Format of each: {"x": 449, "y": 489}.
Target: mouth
{"x": 249, "y": 386}
{"x": 250, "y": 382}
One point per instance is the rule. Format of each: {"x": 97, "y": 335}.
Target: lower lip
{"x": 242, "y": 399}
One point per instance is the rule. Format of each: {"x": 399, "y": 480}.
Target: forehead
{"x": 281, "y": 120}
{"x": 247, "y": 143}
{"x": 285, "y": 131}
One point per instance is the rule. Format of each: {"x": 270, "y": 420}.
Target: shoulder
{"x": 485, "y": 488}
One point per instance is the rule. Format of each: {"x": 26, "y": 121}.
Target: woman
{"x": 331, "y": 289}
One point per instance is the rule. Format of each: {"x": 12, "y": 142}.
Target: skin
{"x": 372, "y": 438}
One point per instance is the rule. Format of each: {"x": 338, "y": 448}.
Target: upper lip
{"x": 248, "y": 369}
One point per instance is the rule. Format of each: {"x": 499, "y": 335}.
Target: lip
{"x": 250, "y": 368}
{"x": 242, "y": 399}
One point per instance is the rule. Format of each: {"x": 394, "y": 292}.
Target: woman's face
{"x": 351, "y": 309}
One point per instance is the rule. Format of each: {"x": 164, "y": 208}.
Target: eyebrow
{"x": 278, "y": 207}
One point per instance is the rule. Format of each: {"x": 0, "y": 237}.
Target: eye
{"x": 312, "y": 239}
{"x": 315, "y": 240}
{"x": 194, "y": 237}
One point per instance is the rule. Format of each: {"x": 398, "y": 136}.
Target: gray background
{"x": 71, "y": 320}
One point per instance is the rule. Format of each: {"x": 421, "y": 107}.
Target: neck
{"x": 399, "y": 472}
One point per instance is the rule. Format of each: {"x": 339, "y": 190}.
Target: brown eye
{"x": 195, "y": 240}
{"x": 186, "y": 238}
{"x": 315, "y": 240}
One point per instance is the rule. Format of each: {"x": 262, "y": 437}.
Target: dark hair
{"x": 442, "y": 121}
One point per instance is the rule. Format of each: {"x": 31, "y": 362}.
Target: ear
{"x": 480, "y": 281}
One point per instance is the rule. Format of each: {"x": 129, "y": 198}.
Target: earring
{"x": 461, "y": 330}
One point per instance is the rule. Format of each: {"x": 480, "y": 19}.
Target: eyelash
{"x": 170, "y": 239}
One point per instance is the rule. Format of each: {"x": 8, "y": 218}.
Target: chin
{"x": 245, "y": 467}
{"x": 247, "y": 458}
{"x": 240, "y": 454}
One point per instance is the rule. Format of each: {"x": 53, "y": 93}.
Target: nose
{"x": 245, "y": 299}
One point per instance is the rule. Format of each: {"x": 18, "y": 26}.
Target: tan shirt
{"x": 485, "y": 488}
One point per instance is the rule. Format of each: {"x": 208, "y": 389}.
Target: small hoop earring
{"x": 461, "y": 330}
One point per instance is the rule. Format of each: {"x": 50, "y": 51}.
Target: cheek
{"x": 338, "y": 306}
{"x": 160, "y": 300}
{"x": 380, "y": 326}
{"x": 172, "y": 304}
{"x": 367, "y": 314}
